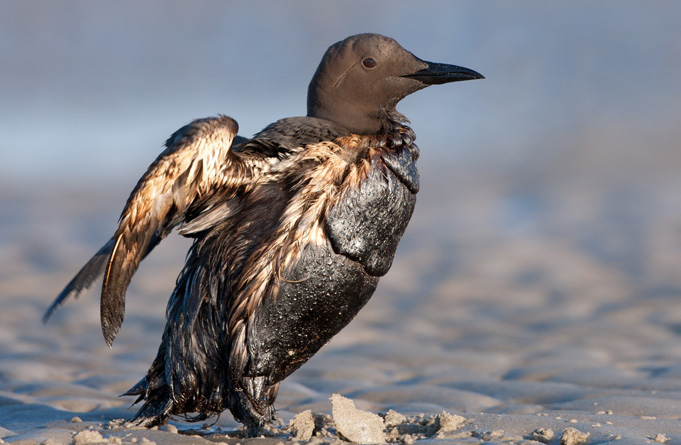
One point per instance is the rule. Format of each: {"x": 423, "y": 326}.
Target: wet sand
{"x": 536, "y": 292}
{"x": 528, "y": 310}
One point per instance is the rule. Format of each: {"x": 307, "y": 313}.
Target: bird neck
{"x": 391, "y": 119}
{"x": 357, "y": 122}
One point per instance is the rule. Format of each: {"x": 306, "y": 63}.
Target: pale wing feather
{"x": 198, "y": 159}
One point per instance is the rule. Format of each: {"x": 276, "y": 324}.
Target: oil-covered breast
{"x": 327, "y": 285}
{"x": 367, "y": 224}
{"x": 318, "y": 298}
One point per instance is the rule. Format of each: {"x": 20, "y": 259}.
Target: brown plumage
{"x": 197, "y": 160}
{"x": 292, "y": 230}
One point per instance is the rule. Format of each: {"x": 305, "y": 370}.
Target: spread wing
{"x": 198, "y": 160}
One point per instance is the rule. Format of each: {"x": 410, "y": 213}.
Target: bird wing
{"x": 197, "y": 162}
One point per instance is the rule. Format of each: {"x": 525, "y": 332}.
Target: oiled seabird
{"x": 292, "y": 230}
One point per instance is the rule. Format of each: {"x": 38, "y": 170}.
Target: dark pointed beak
{"x": 439, "y": 73}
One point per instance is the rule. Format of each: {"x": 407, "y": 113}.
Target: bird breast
{"x": 347, "y": 219}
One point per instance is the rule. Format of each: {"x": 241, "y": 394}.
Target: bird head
{"x": 361, "y": 79}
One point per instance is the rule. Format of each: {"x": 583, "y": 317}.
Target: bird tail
{"x": 158, "y": 403}
{"x": 92, "y": 270}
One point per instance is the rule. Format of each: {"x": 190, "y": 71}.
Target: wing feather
{"x": 92, "y": 270}
{"x": 198, "y": 160}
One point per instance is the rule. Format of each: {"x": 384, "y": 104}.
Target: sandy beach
{"x": 572, "y": 323}
{"x": 535, "y": 297}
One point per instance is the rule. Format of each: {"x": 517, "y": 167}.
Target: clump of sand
{"x": 572, "y": 436}
{"x": 352, "y": 425}
{"x": 304, "y": 425}
{"x": 357, "y": 426}
{"x": 543, "y": 435}
{"x": 86, "y": 437}
{"x": 660, "y": 438}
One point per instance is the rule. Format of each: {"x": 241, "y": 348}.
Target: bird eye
{"x": 369, "y": 62}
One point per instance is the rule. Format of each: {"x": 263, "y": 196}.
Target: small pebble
{"x": 76, "y": 419}
{"x": 661, "y": 438}
{"x": 407, "y": 439}
{"x": 393, "y": 418}
{"x": 169, "y": 428}
{"x": 87, "y": 437}
{"x": 543, "y": 435}
{"x": 449, "y": 422}
{"x": 572, "y": 436}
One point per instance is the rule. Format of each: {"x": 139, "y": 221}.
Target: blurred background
{"x": 89, "y": 91}
{"x": 575, "y": 129}
{"x": 554, "y": 184}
